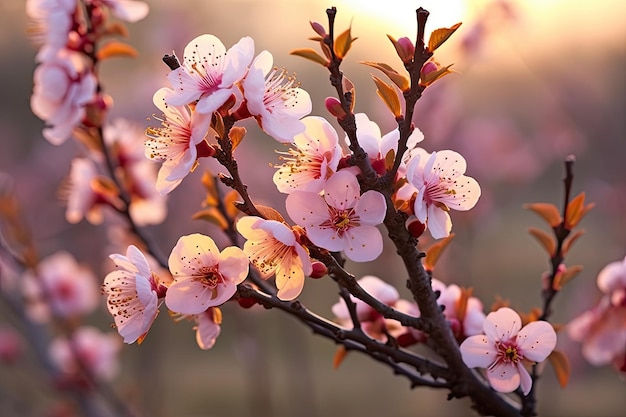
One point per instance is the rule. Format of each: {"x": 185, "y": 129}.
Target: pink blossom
{"x": 505, "y": 346}
{"x": 602, "y": 329}
{"x": 203, "y": 276}
{"x": 441, "y": 186}
{"x": 209, "y": 73}
{"x": 208, "y": 327}
{"x": 464, "y": 323}
{"x": 377, "y": 146}
{"x": 341, "y": 219}
{"x": 174, "y": 142}
{"x": 52, "y": 21}
{"x": 275, "y": 99}
{"x": 273, "y": 248}
{"x": 61, "y": 287}
{"x": 128, "y": 10}
{"x": 134, "y": 294}
{"x": 313, "y": 159}
{"x": 88, "y": 348}
{"x": 64, "y": 84}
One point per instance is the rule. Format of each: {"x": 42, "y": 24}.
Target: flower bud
{"x": 319, "y": 29}
{"x": 319, "y": 269}
{"x": 246, "y": 302}
{"x": 333, "y": 105}
{"x": 405, "y": 49}
{"x": 414, "y": 226}
{"x": 428, "y": 67}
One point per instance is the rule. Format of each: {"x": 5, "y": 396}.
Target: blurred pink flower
{"x": 273, "y": 248}
{"x": 275, "y": 99}
{"x": 341, "y": 219}
{"x": 441, "y": 186}
{"x": 61, "y": 288}
{"x": 313, "y": 159}
{"x": 52, "y": 21}
{"x": 209, "y": 73}
{"x": 174, "y": 142}
{"x": 88, "y": 348}
{"x": 64, "y": 84}
{"x": 203, "y": 276}
{"x": 128, "y": 10}
{"x": 505, "y": 346}
{"x": 134, "y": 294}
{"x": 602, "y": 330}
{"x": 464, "y": 323}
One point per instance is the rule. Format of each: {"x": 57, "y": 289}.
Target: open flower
{"x": 314, "y": 159}
{"x": 134, "y": 294}
{"x": 209, "y": 73}
{"x": 505, "y": 346}
{"x": 64, "y": 84}
{"x": 272, "y": 247}
{"x": 274, "y": 99}
{"x": 203, "y": 276}
{"x": 441, "y": 186}
{"x": 341, "y": 219}
{"x": 602, "y": 330}
{"x": 174, "y": 142}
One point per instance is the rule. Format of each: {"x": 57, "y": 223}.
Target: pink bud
{"x": 333, "y": 105}
{"x": 414, "y": 226}
{"x": 407, "y": 49}
{"x": 246, "y": 302}
{"x": 319, "y": 29}
{"x": 319, "y": 270}
{"x": 428, "y": 67}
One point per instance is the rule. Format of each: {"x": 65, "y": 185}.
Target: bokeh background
{"x": 537, "y": 80}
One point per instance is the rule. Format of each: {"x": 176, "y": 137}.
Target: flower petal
{"x": 363, "y": 243}
{"x": 504, "y": 377}
{"x": 502, "y": 325}
{"x": 234, "y": 264}
{"x": 478, "y": 351}
{"x": 342, "y": 190}
{"x": 536, "y": 340}
{"x": 187, "y": 296}
{"x": 371, "y": 208}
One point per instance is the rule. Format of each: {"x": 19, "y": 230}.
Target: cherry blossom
{"x": 86, "y": 193}
{"x": 273, "y": 248}
{"x": 275, "y": 99}
{"x": 505, "y": 346}
{"x": 465, "y": 319}
{"x": 134, "y": 294}
{"x": 203, "y": 276}
{"x": 209, "y": 73}
{"x": 602, "y": 330}
{"x": 441, "y": 186}
{"x": 174, "y": 142}
{"x": 128, "y": 10}
{"x": 64, "y": 84}
{"x": 313, "y": 159}
{"x": 208, "y": 327}
{"x": 61, "y": 287}
{"x": 52, "y": 21}
{"x": 377, "y": 147}
{"x": 341, "y": 219}
{"x": 88, "y": 348}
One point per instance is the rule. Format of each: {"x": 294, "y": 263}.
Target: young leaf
{"x": 544, "y": 239}
{"x": 116, "y": 49}
{"x": 434, "y": 252}
{"x": 389, "y": 96}
{"x": 211, "y": 188}
{"x": 343, "y": 43}
{"x": 236, "y": 135}
{"x": 340, "y": 355}
{"x": 576, "y": 210}
{"x": 269, "y": 213}
{"x": 561, "y": 367}
{"x": 439, "y": 36}
{"x": 212, "y": 215}
{"x": 549, "y": 212}
{"x": 571, "y": 239}
{"x": 432, "y": 76}
{"x": 561, "y": 279}
{"x": 310, "y": 54}
{"x": 398, "y": 79}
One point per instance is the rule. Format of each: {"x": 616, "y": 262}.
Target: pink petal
{"x": 207, "y": 330}
{"x": 138, "y": 260}
{"x": 234, "y": 264}
{"x": 502, "y": 325}
{"x": 536, "y": 340}
{"x": 363, "y": 243}
{"x": 389, "y": 142}
{"x": 279, "y": 231}
{"x": 209, "y": 103}
{"x": 325, "y": 237}
{"x": 238, "y": 58}
{"x": 187, "y": 89}
{"x": 439, "y": 222}
{"x": 504, "y": 377}
{"x": 478, "y": 352}
{"x": 306, "y": 208}
{"x": 467, "y": 193}
{"x": 371, "y": 208}
{"x": 368, "y": 134}
{"x": 612, "y": 277}
{"x": 289, "y": 281}
{"x": 190, "y": 252}
{"x": 526, "y": 381}
{"x": 128, "y": 10}
{"x": 342, "y": 190}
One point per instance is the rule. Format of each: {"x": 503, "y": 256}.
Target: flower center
{"x": 508, "y": 353}
{"x": 210, "y": 277}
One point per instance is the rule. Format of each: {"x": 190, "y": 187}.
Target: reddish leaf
{"x": 340, "y": 355}
{"x": 549, "y": 212}
{"x": 116, "y": 49}
{"x": 561, "y": 367}
{"x": 236, "y": 135}
{"x": 388, "y": 95}
{"x": 439, "y": 36}
{"x": 398, "y": 79}
{"x": 311, "y": 55}
{"x": 434, "y": 252}
{"x": 269, "y": 213}
{"x": 544, "y": 239}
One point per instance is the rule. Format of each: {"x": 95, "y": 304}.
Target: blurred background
{"x": 537, "y": 81}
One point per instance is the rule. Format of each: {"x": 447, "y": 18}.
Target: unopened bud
{"x": 246, "y": 302}
{"x": 319, "y": 29}
{"x": 414, "y": 226}
{"x": 318, "y": 269}
{"x": 333, "y": 105}
{"x": 405, "y": 49}
{"x": 428, "y": 67}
